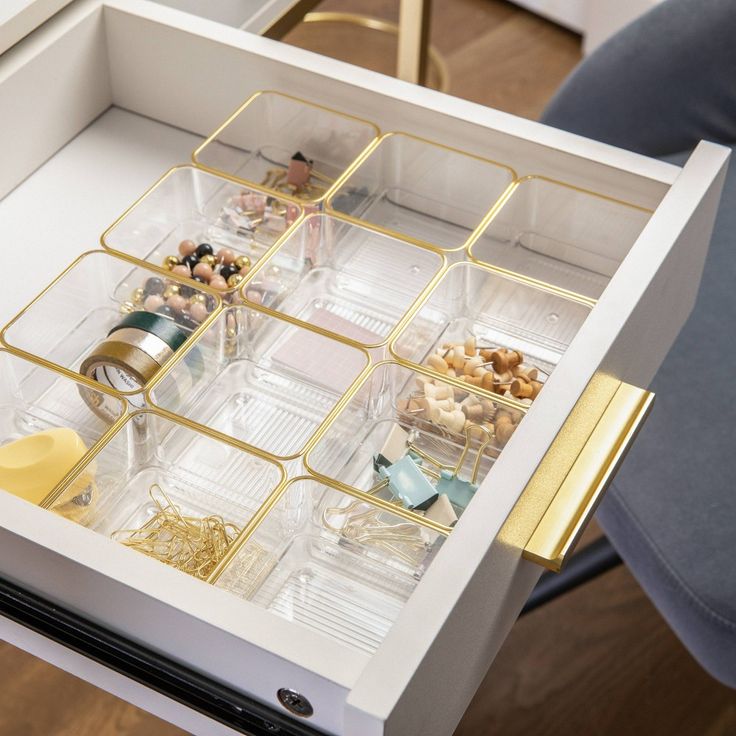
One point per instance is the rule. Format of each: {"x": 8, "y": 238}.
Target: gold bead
{"x": 138, "y": 296}
{"x": 234, "y": 280}
{"x": 210, "y": 260}
{"x": 171, "y": 290}
{"x": 127, "y": 308}
{"x": 170, "y": 262}
{"x": 242, "y": 262}
{"x": 198, "y": 298}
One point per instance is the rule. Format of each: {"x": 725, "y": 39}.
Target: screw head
{"x": 295, "y": 702}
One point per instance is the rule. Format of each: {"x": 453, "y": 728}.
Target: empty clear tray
{"x": 560, "y": 235}
{"x": 344, "y": 278}
{"x": 69, "y": 320}
{"x": 412, "y": 439}
{"x": 336, "y": 564}
{"x": 491, "y": 330}
{"x": 47, "y": 427}
{"x": 422, "y": 190}
{"x": 265, "y": 382}
{"x": 187, "y": 207}
{"x": 258, "y": 143}
{"x": 174, "y": 493}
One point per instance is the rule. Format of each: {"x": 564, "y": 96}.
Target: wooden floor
{"x": 598, "y": 662}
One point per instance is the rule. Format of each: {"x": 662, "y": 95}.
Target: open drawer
{"x": 103, "y": 99}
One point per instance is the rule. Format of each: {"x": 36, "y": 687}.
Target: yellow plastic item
{"x": 33, "y": 466}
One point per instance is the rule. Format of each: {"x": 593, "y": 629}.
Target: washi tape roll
{"x": 148, "y": 342}
{"x": 155, "y": 324}
{"x": 121, "y": 366}
{"x": 135, "y": 350}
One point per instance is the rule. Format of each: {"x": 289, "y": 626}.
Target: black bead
{"x": 186, "y": 291}
{"x": 227, "y": 271}
{"x": 191, "y": 261}
{"x": 166, "y": 311}
{"x": 211, "y": 302}
{"x": 204, "y": 249}
{"x": 153, "y": 286}
{"x": 198, "y": 279}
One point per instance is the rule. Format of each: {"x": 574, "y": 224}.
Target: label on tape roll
{"x": 120, "y": 380}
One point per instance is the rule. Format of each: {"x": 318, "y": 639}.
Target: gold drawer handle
{"x": 588, "y": 477}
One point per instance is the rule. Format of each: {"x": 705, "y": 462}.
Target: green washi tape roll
{"x": 163, "y": 327}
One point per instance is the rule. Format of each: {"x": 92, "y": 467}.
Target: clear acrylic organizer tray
{"x": 422, "y": 191}
{"x": 561, "y": 235}
{"x": 47, "y": 429}
{"x": 407, "y": 423}
{"x": 266, "y": 383}
{"x": 338, "y": 564}
{"x": 345, "y": 278}
{"x": 77, "y": 311}
{"x": 257, "y": 143}
{"x": 191, "y": 205}
{"x": 491, "y": 330}
{"x": 162, "y": 487}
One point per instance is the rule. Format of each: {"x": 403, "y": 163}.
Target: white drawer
{"x": 96, "y": 105}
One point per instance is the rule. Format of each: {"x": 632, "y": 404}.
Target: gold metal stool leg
{"x": 415, "y": 56}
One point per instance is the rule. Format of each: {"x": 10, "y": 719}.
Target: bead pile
{"x": 192, "y": 544}
{"x": 222, "y": 271}
{"x": 179, "y": 302}
{"x": 499, "y": 370}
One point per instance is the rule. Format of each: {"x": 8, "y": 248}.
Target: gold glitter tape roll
{"x": 121, "y": 366}
{"x": 149, "y": 343}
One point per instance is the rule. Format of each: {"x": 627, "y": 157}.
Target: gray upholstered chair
{"x": 657, "y": 87}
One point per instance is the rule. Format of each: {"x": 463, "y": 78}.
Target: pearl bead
{"x": 198, "y": 312}
{"x": 210, "y": 260}
{"x": 219, "y": 283}
{"x": 244, "y": 271}
{"x": 171, "y": 290}
{"x": 170, "y": 262}
{"x": 127, "y": 308}
{"x": 187, "y": 247}
{"x": 181, "y": 271}
{"x": 153, "y": 285}
{"x": 227, "y": 271}
{"x": 177, "y": 303}
{"x": 198, "y": 298}
{"x": 153, "y": 302}
{"x": 226, "y": 256}
{"x": 190, "y": 261}
{"x": 165, "y": 310}
{"x": 242, "y": 262}
{"x": 203, "y": 270}
{"x": 234, "y": 280}
{"x": 203, "y": 249}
